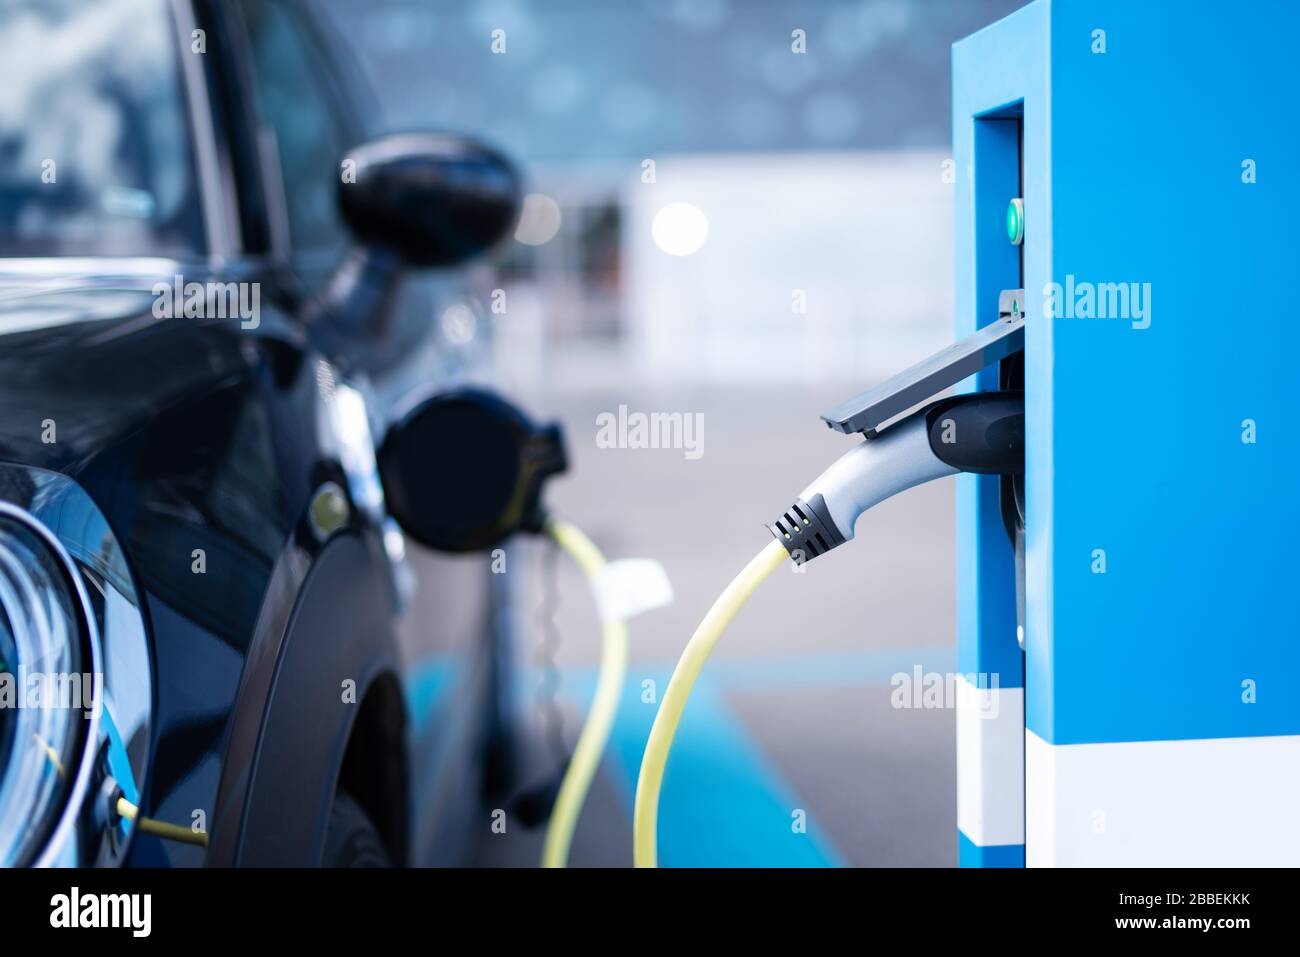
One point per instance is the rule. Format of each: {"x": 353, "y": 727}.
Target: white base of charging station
{"x": 1201, "y": 803}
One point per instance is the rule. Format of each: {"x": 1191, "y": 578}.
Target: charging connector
{"x": 983, "y": 432}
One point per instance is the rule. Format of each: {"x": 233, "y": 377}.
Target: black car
{"x": 208, "y": 617}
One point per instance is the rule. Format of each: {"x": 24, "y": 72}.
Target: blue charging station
{"x": 1152, "y": 717}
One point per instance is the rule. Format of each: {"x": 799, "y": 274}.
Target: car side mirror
{"x": 463, "y": 470}
{"x": 433, "y": 199}
{"x": 410, "y": 200}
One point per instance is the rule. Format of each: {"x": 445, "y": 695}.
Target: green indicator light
{"x": 1016, "y": 221}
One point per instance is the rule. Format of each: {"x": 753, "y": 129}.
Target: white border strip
{"x": 990, "y": 763}
{"x": 1213, "y": 802}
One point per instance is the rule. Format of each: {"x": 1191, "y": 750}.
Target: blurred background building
{"x": 721, "y": 226}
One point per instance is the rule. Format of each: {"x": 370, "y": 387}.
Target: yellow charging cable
{"x": 147, "y": 825}
{"x": 124, "y": 808}
{"x": 50, "y": 754}
{"x": 595, "y": 732}
{"x": 645, "y": 819}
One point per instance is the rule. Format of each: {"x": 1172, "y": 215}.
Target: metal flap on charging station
{"x": 866, "y": 413}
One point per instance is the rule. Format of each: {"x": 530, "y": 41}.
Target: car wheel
{"x": 351, "y": 839}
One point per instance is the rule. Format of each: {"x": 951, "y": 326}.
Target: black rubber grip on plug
{"x": 982, "y": 432}
{"x": 806, "y": 530}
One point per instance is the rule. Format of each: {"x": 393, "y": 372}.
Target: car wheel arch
{"x": 334, "y": 696}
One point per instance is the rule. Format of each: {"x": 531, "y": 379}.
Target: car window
{"x": 292, "y": 80}
{"x": 96, "y": 155}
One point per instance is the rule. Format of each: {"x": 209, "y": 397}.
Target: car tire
{"x": 351, "y": 839}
